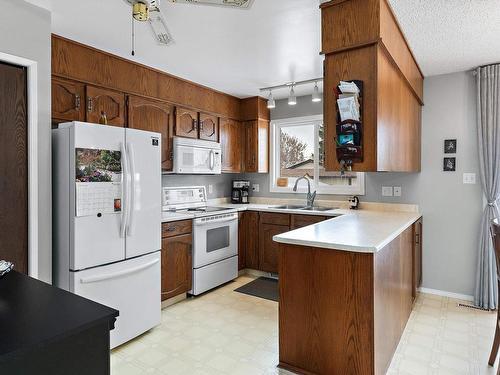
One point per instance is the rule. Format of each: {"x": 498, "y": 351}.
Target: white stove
{"x": 215, "y": 236}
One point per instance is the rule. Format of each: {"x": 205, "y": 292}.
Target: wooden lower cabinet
{"x": 270, "y": 225}
{"x": 299, "y": 221}
{"x": 176, "y": 260}
{"x": 250, "y": 230}
{"x": 417, "y": 256}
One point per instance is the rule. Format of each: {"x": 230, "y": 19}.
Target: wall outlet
{"x": 387, "y": 191}
{"x": 255, "y": 187}
{"x": 210, "y": 189}
{"x": 469, "y": 178}
{"x": 397, "y": 191}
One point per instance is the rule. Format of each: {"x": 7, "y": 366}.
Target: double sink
{"x": 303, "y": 208}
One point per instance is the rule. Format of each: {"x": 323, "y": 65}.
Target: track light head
{"x": 292, "y": 99}
{"x": 270, "y": 101}
{"x": 316, "y": 96}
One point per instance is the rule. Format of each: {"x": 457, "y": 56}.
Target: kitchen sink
{"x": 319, "y": 208}
{"x": 289, "y": 207}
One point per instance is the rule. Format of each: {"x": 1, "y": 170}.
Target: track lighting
{"x": 292, "y": 99}
{"x": 270, "y": 101}
{"x": 316, "y": 97}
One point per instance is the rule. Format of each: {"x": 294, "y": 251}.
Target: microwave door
{"x": 193, "y": 159}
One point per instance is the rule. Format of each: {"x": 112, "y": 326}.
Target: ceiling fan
{"x": 149, "y": 11}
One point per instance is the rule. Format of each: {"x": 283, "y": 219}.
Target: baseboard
{"x": 443, "y": 293}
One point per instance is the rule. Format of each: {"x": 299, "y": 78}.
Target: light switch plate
{"x": 387, "y": 191}
{"x": 210, "y": 189}
{"x": 397, "y": 191}
{"x": 469, "y": 178}
{"x": 255, "y": 187}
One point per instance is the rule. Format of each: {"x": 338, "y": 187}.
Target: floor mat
{"x": 263, "y": 287}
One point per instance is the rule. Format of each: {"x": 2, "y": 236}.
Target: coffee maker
{"x": 240, "y": 193}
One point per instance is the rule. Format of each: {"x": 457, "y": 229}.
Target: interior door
{"x": 98, "y": 168}
{"x": 13, "y": 167}
{"x": 155, "y": 116}
{"x": 144, "y": 224}
{"x": 102, "y": 102}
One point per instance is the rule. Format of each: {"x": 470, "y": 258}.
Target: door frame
{"x": 32, "y": 88}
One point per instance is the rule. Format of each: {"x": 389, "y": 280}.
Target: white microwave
{"x": 195, "y": 156}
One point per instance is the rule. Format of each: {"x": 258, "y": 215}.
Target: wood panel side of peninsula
{"x": 343, "y": 312}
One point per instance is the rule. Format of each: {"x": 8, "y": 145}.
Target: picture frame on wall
{"x": 450, "y": 146}
{"x": 449, "y": 164}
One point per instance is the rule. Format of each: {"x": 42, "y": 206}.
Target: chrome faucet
{"x": 310, "y": 197}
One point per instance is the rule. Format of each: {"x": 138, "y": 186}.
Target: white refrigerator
{"x": 107, "y": 221}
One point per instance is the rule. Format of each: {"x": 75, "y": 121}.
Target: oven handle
{"x": 200, "y": 223}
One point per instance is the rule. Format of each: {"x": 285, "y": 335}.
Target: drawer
{"x": 176, "y": 228}
{"x": 274, "y": 218}
{"x": 299, "y": 221}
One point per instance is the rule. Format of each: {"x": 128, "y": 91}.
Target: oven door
{"x": 215, "y": 238}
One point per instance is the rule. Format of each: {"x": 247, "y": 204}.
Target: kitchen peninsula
{"x": 347, "y": 287}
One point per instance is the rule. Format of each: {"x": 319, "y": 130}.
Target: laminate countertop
{"x": 359, "y": 231}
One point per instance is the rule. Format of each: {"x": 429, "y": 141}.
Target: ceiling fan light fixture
{"x": 316, "y": 96}
{"x": 292, "y": 99}
{"x": 159, "y": 28}
{"x": 140, "y": 11}
{"x": 271, "y": 103}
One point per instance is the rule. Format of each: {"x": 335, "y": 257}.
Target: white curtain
{"x": 488, "y": 131}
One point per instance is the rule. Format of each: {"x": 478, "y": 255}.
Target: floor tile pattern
{"x": 224, "y": 332}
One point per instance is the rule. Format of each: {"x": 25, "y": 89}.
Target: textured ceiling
{"x": 450, "y": 35}
{"x": 276, "y": 41}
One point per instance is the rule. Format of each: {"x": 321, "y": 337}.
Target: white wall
{"x": 25, "y": 31}
{"x": 451, "y": 209}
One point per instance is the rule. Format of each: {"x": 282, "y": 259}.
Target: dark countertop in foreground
{"x": 33, "y": 313}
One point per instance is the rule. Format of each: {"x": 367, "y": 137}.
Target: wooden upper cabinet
{"x": 155, "y": 116}
{"x": 256, "y": 146}
{"x": 186, "y": 123}
{"x": 230, "y": 139}
{"x": 68, "y": 100}
{"x": 208, "y": 126}
{"x": 105, "y": 102}
{"x": 363, "y": 41}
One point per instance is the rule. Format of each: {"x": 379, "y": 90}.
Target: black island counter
{"x": 46, "y": 330}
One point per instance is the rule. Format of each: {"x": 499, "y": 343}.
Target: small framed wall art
{"x": 450, "y": 146}
{"x": 449, "y": 164}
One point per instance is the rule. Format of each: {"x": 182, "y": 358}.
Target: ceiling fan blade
{"x": 159, "y": 27}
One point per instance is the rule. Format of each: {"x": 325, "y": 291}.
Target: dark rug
{"x": 263, "y": 287}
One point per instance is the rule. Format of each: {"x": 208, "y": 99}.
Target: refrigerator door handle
{"x": 132, "y": 195}
{"x": 124, "y": 160}
{"x": 94, "y": 279}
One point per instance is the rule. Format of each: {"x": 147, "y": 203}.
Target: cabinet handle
{"x": 77, "y": 102}
{"x": 417, "y": 238}
{"x": 201, "y": 126}
{"x": 171, "y": 229}
{"x": 90, "y": 105}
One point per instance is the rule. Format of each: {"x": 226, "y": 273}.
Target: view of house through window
{"x": 298, "y": 150}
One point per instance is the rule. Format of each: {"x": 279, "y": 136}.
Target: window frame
{"x": 316, "y": 121}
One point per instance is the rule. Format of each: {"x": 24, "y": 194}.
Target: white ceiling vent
{"x": 226, "y": 3}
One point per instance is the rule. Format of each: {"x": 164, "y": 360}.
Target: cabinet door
{"x": 209, "y": 127}
{"x": 230, "y": 139}
{"x": 241, "y": 241}
{"x": 268, "y": 249}
{"x": 155, "y": 116}
{"x": 257, "y": 146}
{"x": 176, "y": 266}
{"x": 103, "y": 102}
{"x": 186, "y": 123}
{"x": 417, "y": 256}
{"x": 299, "y": 221}
{"x": 68, "y": 100}
{"x": 251, "y": 227}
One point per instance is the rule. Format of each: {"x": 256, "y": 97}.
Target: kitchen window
{"x": 297, "y": 148}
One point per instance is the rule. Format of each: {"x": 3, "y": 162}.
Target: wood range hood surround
{"x": 361, "y": 39}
